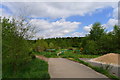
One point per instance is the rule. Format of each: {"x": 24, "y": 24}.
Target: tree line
{"x": 98, "y": 41}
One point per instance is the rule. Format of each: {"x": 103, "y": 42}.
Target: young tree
{"x": 96, "y": 32}
{"x": 15, "y": 47}
{"x": 41, "y": 45}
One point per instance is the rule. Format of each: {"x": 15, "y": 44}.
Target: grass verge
{"x": 65, "y": 54}
{"x": 36, "y": 68}
{"x": 71, "y": 54}
{"x": 47, "y": 54}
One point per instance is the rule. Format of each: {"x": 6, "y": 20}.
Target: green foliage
{"x": 47, "y": 54}
{"x": 0, "y": 49}
{"x": 70, "y": 54}
{"x": 116, "y": 33}
{"x": 51, "y": 45}
{"x": 96, "y": 32}
{"x": 91, "y": 47}
{"x": 15, "y": 49}
{"x": 17, "y": 58}
{"x": 60, "y": 43}
{"x": 34, "y": 69}
{"x": 106, "y": 43}
{"x": 40, "y": 45}
{"x": 100, "y": 42}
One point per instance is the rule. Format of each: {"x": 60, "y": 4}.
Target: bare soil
{"x": 42, "y": 57}
{"x": 111, "y": 58}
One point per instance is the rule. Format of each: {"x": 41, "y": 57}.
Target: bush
{"x": 91, "y": 47}
{"x": 40, "y": 45}
{"x": 33, "y": 56}
{"x": 117, "y": 51}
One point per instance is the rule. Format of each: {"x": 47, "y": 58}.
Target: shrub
{"x": 91, "y": 47}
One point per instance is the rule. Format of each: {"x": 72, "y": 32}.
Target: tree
{"x": 106, "y": 43}
{"x": 15, "y": 47}
{"x": 96, "y": 32}
{"x": 116, "y": 33}
{"x": 91, "y": 47}
{"x": 40, "y": 45}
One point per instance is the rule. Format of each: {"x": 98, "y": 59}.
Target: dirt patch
{"x": 42, "y": 57}
{"x": 111, "y": 58}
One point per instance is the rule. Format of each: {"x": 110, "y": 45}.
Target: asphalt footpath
{"x": 64, "y": 68}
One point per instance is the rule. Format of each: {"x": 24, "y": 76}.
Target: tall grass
{"x": 34, "y": 69}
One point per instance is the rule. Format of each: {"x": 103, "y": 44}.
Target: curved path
{"x": 63, "y": 68}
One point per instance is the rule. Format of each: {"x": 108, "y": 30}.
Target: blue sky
{"x": 7, "y": 10}
{"x": 101, "y": 16}
{"x": 61, "y": 20}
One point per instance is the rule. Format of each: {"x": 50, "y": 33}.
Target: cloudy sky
{"x": 63, "y": 19}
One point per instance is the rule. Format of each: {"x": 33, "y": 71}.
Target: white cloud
{"x": 115, "y": 13}
{"x": 111, "y": 22}
{"x": 60, "y": 0}
{"x": 54, "y": 29}
{"x": 109, "y": 25}
{"x": 77, "y": 34}
{"x": 87, "y": 28}
{"x": 56, "y": 9}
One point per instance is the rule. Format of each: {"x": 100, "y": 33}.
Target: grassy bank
{"x": 65, "y": 54}
{"x": 47, "y": 54}
{"x": 72, "y": 54}
{"x": 34, "y": 69}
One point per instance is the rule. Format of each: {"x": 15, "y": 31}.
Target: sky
{"x": 63, "y": 19}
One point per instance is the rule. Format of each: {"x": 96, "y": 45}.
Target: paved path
{"x": 63, "y": 68}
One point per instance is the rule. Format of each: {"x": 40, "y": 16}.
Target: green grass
{"x": 71, "y": 54}
{"x": 34, "y": 69}
{"x": 98, "y": 69}
{"x": 47, "y": 54}
{"x": 66, "y": 54}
